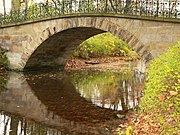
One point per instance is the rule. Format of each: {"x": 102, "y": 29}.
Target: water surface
{"x": 80, "y": 102}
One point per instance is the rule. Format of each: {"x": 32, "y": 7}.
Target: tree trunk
{"x": 26, "y": 4}
{"x": 127, "y": 6}
{"x": 112, "y": 6}
{"x": 14, "y": 126}
{"x": 4, "y": 6}
{"x": 15, "y": 5}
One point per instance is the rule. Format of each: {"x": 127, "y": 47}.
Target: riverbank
{"x": 100, "y": 63}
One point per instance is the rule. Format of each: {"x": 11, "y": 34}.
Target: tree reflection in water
{"x": 14, "y": 125}
{"x": 107, "y": 89}
{"x": 52, "y": 101}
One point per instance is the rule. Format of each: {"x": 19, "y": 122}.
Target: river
{"x": 64, "y": 103}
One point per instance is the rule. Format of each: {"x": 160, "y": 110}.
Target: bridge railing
{"x": 57, "y": 8}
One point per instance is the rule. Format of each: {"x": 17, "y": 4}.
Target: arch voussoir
{"x": 148, "y": 58}
{"x": 113, "y": 28}
{"x": 97, "y": 23}
{"x": 126, "y": 36}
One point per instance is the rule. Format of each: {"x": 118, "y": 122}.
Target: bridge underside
{"x": 54, "y": 52}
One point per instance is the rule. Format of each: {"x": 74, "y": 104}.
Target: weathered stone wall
{"x": 148, "y": 38}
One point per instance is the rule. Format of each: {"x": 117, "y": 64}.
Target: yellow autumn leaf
{"x": 170, "y": 105}
{"x": 129, "y": 130}
{"x": 173, "y": 93}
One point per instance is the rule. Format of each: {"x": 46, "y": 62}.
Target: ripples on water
{"x": 80, "y": 102}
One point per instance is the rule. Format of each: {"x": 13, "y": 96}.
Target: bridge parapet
{"x": 126, "y": 8}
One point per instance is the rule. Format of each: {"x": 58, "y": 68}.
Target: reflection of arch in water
{"x": 107, "y": 89}
{"x": 20, "y": 99}
{"x": 61, "y": 97}
{"x": 131, "y": 92}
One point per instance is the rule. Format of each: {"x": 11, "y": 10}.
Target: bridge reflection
{"x": 58, "y": 93}
{"x": 22, "y": 101}
{"x": 48, "y": 103}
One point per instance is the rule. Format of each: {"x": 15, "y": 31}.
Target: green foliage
{"x": 102, "y": 45}
{"x": 3, "y": 66}
{"x": 162, "y": 93}
{"x": 15, "y": 5}
{"x": 52, "y": 8}
{"x": 3, "y": 58}
{"x": 106, "y": 83}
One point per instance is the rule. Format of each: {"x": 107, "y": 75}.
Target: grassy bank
{"x": 160, "y": 105}
{"x": 103, "y": 45}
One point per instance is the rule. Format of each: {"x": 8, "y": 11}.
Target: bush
{"x": 3, "y": 58}
{"x": 102, "y": 45}
{"x": 162, "y": 98}
{"x": 3, "y": 66}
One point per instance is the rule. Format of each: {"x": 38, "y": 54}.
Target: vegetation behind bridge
{"x": 3, "y": 67}
{"x": 3, "y": 59}
{"x": 103, "y": 45}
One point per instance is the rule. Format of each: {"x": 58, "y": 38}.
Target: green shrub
{"x": 162, "y": 93}
{"x": 102, "y": 45}
{"x": 3, "y": 66}
{"x": 3, "y": 58}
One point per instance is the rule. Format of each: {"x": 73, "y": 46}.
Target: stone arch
{"x": 97, "y": 24}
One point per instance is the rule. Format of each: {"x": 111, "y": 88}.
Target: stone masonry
{"x": 49, "y": 43}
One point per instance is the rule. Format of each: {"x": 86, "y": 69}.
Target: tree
{"x": 4, "y": 6}
{"x": 18, "y": 4}
{"x": 15, "y": 5}
{"x": 26, "y": 3}
{"x": 127, "y": 7}
{"x": 112, "y": 5}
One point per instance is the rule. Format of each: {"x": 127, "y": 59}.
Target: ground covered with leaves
{"x": 160, "y": 106}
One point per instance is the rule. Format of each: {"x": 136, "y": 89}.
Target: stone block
{"x": 15, "y": 60}
{"x": 149, "y": 38}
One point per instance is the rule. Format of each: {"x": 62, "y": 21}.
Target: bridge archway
{"x": 57, "y": 42}
{"x": 149, "y": 38}
{"x": 54, "y": 51}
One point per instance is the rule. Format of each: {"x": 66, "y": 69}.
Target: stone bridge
{"x": 49, "y": 43}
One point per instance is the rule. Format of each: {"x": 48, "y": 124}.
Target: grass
{"x": 103, "y": 45}
{"x": 162, "y": 92}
